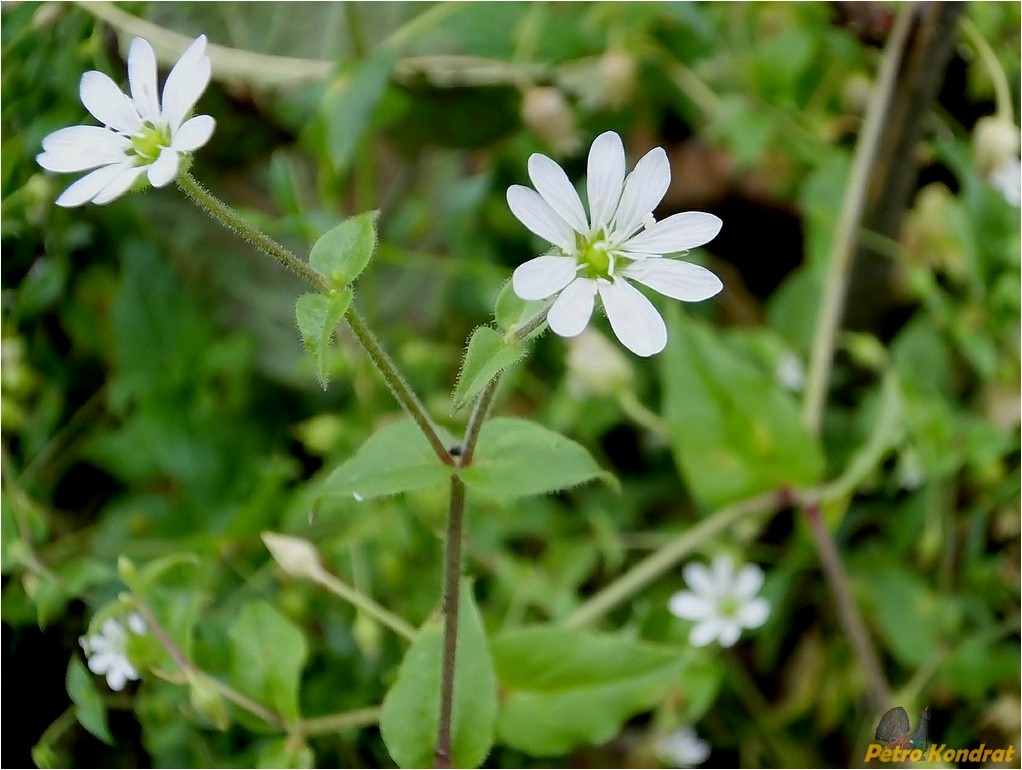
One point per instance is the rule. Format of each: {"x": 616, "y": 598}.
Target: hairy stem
{"x": 451, "y": 607}
{"x": 229, "y": 218}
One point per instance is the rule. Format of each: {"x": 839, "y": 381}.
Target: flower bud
{"x": 548, "y": 115}
{"x": 297, "y": 557}
{"x": 995, "y": 141}
{"x": 596, "y": 366}
{"x": 617, "y": 73}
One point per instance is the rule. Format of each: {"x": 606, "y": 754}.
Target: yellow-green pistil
{"x": 595, "y": 260}
{"x": 150, "y": 143}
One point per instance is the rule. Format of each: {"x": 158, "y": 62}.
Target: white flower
{"x": 722, "y": 601}
{"x": 1007, "y": 180}
{"x": 596, "y": 365}
{"x": 107, "y": 654}
{"x": 682, "y": 748}
{"x": 139, "y": 135}
{"x": 790, "y": 372}
{"x": 618, "y": 240}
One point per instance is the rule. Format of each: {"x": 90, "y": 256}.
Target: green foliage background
{"x": 157, "y": 400}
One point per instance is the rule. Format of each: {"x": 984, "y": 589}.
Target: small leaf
{"x": 267, "y": 656}
{"x": 318, "y": 316}
{"x": 411, "y": 710}
{"x": 342, "y": 253}
{"x": 152, "y": 573}
{"x": 561, "y": 688}
{"x": 89, "y": 706}
{"x": 488, "y": 354}
{"x": 735, "y": 431}
{"x": 397, "y": 458}
{"x": 518, "y": 458}
{"x": 208, "y": 701}
{"x": 510, "y": 310}
{"x": 286, "y": 752}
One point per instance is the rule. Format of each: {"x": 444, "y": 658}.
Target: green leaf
{"x": 561, "y": 688}
{"x": 142, "y": 580}
{"x": 89, "y": 706}
{"x": 318, "y": 316}
{"x": 342, "y": 253}
{"x": 411, "y": 709}
{"x": 267, "y": 656}
{"x": 285, "y": 752}
{"x": 518, "y": 458}
{"x": 510, "y": 310}
{"x": 734, "y": 430}
{"x": 350, "y": 101}
{"x": 397, "y": 458}
{"x": 488, "y": 355}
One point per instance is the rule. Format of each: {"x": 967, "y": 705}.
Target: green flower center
{"x": 729, "y": 607}
{"x": 148, "y": 145}
{"x": 595, "y": 259}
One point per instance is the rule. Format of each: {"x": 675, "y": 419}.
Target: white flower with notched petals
{"x": 1007, "y": 180}
{"x": 682, "y": 748}
{"x": 619, "y": 241}
{"x": 107, "y": 652}
{"x": 722, "y": 601}
{"x": 141, "y": 134}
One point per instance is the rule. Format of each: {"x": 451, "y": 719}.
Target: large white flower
{"x": 682, "y": 748}
{"x": 107, "y": 651}
{"x": 722, "y": 601}
{"x": 618, "y": 240}
{"x": 141, "y": 134}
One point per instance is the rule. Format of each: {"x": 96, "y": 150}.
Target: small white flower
{"x": 596, "y": 365}
{"x": 139, "y": 135}
{"x": 618, "y": 240}
{"x": 682, "y": 748}
{"x": 722, "y": 601}
{"x": 1007, "y": 180}
{"x": 106, "y": 651}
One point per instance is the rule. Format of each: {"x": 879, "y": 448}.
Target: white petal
{"x": 675, "y": 279}
{"x": 536, "y": 214}
{"x": 633, "y": 318}
{"x": 754, "y": 613}
{"x": 705, "y": 632}
{"x": 193, "y": 133}
{"x": 689, "y": 606}
{"x": 86, "y": 188}
{"x": 697, "y": 576}
{"x": 163, "y": 170}
{"x": 572, "y": 310}
{"x": 729, "y": 633}
{"x": 136, "y": 623}
{"x": 142, "y": 79}
{"x": 644, "y": 189}
{"x": 748, "y": 581}
{"x": 86, "y": 644}
{"x": 119, "y": 185}
{"x": 78, "y": 148}
{"x": 104, "y": 100}
{"x": 543, "y": 277}
{"x": 552, "y": 183}
{"x": 606, "y": 175}
{"x": 185, "y": 83}
{"x": 722, "y": 573}
{"x": 116, "y": 679}
{"x": 679, "y": 232}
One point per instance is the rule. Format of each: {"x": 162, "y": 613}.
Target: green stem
{"x": 1002, "y": 92}
{"x": 336, "y": 586}
{"x": 667, "y": 557}
{"x": 451, "y": 602}
{"x": 832, "y": 302}
{"x": 335, "y": 723}
{"x": 229, "y": 218}
{"x": 190, "y": 669}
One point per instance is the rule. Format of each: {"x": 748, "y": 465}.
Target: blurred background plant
{"x": 157, "y": 404}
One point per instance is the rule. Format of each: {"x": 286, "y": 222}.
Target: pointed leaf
{"x": 510, "y": 310}
{"x": 342, "y": 253}
{"x": 267, "y": 656}
{"x": 89, "y": 706}
{"x": 317, "y": 316}
{"x": 562, "y": 688}
{"x": 518, "y": 458}
{"x": 488, "y": 354}
{"x": 397, "y": 458}
{"x": 411, "y": 710}
{"x": 735, "y": 431}
{"x": 350, "y": 101}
